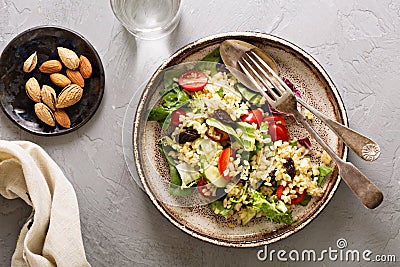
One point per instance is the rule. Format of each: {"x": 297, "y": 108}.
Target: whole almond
{"x": 30, "y": 63}
{"x": 32, "y": 89}
{"x": 69, "y": 96}
{"x": 60, "y": 79}
{"x": 85, "y": 68}
{"x": 68, "y": 57}
{"x": 75, "y": 77}
{"x": 50, "y": 66}
{"x": 45, "y": 114}
{"x": 62, "y": 118}
{"x": 49, "y": 97}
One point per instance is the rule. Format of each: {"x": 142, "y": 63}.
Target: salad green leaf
{"x": 158, "y": 114}
{"x": 251, "y": 96}
{"x": 176, "y": 181}
{"x": 276, "y": 211}
{"x": 222, "y": 126}
{"x": 218, "y": 205}
{"x": 246, "y": 140}
{"x": 214, "y": 56}
{"x": 188, "y": 174}
{"x": 175, "y": 178}
{"x": 166, "y": 141}
{"x": 169, "y": 76}
{"x": 248, "y": 136}
{"x": 207, "y": 67}
{"x": 323, "y": 172}
{"x": 165, "y": 146}
{"x": 209, "y": 62}
{"x": 174, "y": 98}
{"x": 175, "y": 188}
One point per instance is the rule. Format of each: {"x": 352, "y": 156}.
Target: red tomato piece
{"x": 275, "y": 119}
{"x": 278, "y": 132}
{"x": 223, "y": 162}
{"x": 299, "y": 198}
{"x": 193, "y": 80}
{"x": 218, "y": 135}
{"x": 294, "y": 201}
{"x": 175, "y": 116}
{"x": 279, "y": 191}
{"x": 254, "y": 116}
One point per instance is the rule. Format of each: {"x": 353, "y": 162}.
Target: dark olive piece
{"x": 289, "y": 166}
{"x": 189, "y": 135}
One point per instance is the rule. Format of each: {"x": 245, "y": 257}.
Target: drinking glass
{"x": 147, "y": 19}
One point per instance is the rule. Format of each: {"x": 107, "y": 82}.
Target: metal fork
{"x": 280, "y": 97}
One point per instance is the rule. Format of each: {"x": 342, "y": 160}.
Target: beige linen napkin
{"x": 52, "y": 236}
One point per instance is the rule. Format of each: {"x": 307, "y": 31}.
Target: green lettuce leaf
{"x": 175, "y": 187}
{"x": 218, "y": 205}
{"x": 214, "y": 56}
{"x": 251, "y": 96}
{"x": 276, "y": 211}
{"x": 158, "y": 114}
{"x": 174, "y": 98}
{"x": 169, "y": 77}
{"x": 323, "y": 172}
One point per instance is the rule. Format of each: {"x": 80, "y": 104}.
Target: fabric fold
{"x": 52, "y": 236}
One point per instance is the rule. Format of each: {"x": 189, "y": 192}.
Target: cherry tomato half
{"x": 275, "y": 119}
{"x": 294, "y": 201}
{"x": 193, "y": 80}
{"x": 223, "y": 162}
{"x": 175, "y": 116}
{"x": 254, "y": 116}
{"x": 279, "y": 191}
{"x": 278, "y": 132}
{"x": 298, "y": 199}
{"x": 201, "y": 186}
{"x": 217, "y": 135}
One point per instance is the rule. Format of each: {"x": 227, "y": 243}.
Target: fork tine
{"x": 248, "y": 70}
{"x": 282, "y": 85}
{"x": 267, "y": 86}
{"x": 261, "y": 73}
{"x": 262, "y": 76}
{"x": 263, "y": 67}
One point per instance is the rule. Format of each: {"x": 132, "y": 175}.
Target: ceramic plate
{"x": 316, "y": 88}
{"x": 45, "y": 40}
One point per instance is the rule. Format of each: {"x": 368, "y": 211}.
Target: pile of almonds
{"x": 49, "y": 107}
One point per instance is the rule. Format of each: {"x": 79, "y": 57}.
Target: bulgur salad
{"x": 223, "y": 143}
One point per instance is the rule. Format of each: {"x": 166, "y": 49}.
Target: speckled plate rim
{"x": 101, "y": 92}
{"x": 213, "y": 40}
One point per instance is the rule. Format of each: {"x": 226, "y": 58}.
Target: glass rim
{"x": 140, "y": 32}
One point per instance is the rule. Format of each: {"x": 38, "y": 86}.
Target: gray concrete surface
{"x": 356, "y": 41}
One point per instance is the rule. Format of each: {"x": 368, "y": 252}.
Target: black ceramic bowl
{"x": 45, "y": 40}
